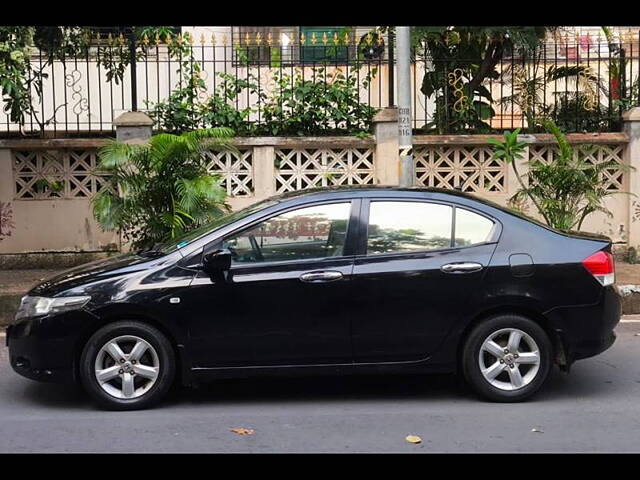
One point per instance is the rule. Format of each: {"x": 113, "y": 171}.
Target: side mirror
{"x": 216, "y": 261}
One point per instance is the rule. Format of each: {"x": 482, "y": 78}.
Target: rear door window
{"x": 408, "y": 227}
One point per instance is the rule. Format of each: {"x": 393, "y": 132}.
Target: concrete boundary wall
{"x": 46, "y": 184}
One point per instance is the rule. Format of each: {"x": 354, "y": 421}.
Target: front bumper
{"x": 45, "y": 348}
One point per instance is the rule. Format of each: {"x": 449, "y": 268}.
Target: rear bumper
{"x": 586, "y": 331}
{"x": 593, "y": 347}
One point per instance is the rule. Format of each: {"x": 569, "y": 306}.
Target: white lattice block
{"x": 470, "y": 168}
{"x": 235, "y": 169}
{"x": 43, "y": 174}
{"x": 299, "y": 169}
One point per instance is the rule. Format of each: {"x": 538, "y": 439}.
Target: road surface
{"x": 594, "y": 409}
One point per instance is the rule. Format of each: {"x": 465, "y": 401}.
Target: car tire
{"x": 511, "y": 374}
{"x": 143, "y": 375}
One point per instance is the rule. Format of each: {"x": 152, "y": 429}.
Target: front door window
{"x": 307, "y": 233}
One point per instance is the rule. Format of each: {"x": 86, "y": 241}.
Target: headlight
{"x": 38, "y": 306}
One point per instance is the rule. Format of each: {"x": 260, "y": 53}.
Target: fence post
{"x": 133, "y": 127}
{"x": 7, "y": 215}
{"x": 387, "y": 160}
{"x": 631, "y": 119}
{"x": 264, "y": 171}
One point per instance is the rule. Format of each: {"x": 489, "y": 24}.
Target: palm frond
{"x": 107, "y": 209}
{"x": 116, "y": 154}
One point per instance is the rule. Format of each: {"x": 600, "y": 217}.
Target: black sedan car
{"x": 354, "y": 280}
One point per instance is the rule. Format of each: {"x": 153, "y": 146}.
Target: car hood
{"x": 89, "y": 272}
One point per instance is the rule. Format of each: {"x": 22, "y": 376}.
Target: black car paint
{"x": 388, "y": 312}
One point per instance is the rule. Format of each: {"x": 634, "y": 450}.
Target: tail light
{"x": 601, "y": 266}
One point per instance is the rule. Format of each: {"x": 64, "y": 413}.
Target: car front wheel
{"x": 127, "y": 365}
{"x": 507, "y": 358}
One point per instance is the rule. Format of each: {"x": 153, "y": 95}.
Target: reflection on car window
{"x": 312, "y": 232}
{"x": 205, "y": 229}
{"x": 408, "y": 226}
{"x": 471, "y": 228}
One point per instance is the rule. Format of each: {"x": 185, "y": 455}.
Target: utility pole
{"x": 392, "y": 87}
{"x": 405, "y": 140}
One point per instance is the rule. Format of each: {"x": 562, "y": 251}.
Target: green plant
{"x": 463, "y": 60}
{"x": 575, "y": 107}
{"x": 162, "y": 189}
{"x": 577, "y": 112}
{"x": 566, "y": 190}
{"x": 219, "y": 109}
{"x": 511, "y": 150}
{"x": 189, "y": 108}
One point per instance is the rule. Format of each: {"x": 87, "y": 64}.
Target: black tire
{"x": 165, "y": 354}
{"x": 471, "y": 351}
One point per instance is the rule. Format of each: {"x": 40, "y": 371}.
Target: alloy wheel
{"x": 127, "y": 367}
{"x": 509, "y": 359}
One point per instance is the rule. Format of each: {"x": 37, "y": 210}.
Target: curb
{"x": 8, "y": 306}
{"x": 630, "y": 299}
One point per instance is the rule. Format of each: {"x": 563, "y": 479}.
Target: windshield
{"x": 187, "y": 238}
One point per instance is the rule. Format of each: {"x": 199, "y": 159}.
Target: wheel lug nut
{"x": 515, "y": 355}
{"x": 134, "y": 362}
{"x": 506, "y": 350}
{"x": 122, "y": 360}
{"x": 501, "y": 361}
{"x": 120, "y": 371}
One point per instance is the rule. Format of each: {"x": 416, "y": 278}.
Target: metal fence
{"x": 583, "y": 85}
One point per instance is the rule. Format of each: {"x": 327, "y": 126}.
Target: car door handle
{"x": 463, "y": 267}
{"x": 318, "y": 277}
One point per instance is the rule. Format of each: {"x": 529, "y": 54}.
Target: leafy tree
{"x": 161, "y": 189}
{"x": 21, "y": 79}
{"x": 463, "y": 59}
{"x": 16, "y": 77}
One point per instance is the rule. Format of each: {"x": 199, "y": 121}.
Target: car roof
{"x": 364, "y": 191}
{"x": 368, "y": 190}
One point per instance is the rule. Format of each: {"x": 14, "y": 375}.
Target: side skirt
{"x": 423, "y": 366}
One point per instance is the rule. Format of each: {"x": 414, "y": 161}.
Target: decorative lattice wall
{"x": 470, "y": 168}
{"x": 612, "y": 178}
{"x": 235, "y": 169}
{"x": 299, "y": 169}
{"x": 44, "y": 174}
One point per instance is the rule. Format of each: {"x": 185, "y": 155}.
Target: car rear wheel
{"x": 127, "y": 365}
{"x": 507, "y": 358}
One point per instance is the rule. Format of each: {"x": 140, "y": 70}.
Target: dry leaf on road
{"x": 413, "y": 439}
{"x": 242, "y": 431}
{"x": 535, "y": 430}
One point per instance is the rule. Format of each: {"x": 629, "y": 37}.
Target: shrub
{"x": 160, "y": 190}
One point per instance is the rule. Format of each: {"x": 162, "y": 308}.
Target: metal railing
{"x": 583, "y": 85}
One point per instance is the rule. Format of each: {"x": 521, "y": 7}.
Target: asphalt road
{"x": 594, "y": 409}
